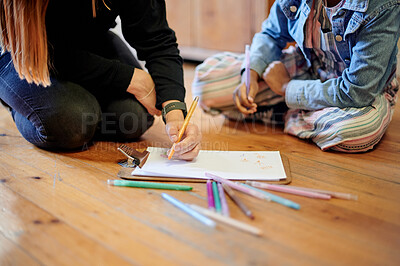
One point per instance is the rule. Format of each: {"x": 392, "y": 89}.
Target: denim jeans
{"x": 67, "y": 116}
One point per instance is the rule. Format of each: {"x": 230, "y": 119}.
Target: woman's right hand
{"x": 143, "y": 87}
{"x": 245, "y": 103}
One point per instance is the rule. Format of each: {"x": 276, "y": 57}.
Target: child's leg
{"x": 345, "y": 129}
{"x": 218, "y": 76}
{"x": 215, "y": 81}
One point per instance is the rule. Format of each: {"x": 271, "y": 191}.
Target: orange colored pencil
{"x": 184, "y": 126}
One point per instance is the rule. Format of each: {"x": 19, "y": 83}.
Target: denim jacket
{"x": 368, "y": 30}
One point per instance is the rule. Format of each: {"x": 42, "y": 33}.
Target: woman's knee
{"x": 69, "y": 121}
{"x": 125, "y": 119}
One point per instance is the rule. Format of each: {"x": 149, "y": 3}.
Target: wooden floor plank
{"x": 120, "y": 202}
{"x": 99, "y": 224}
{"x": 51, "y": 241}
{"x": 12, "y": 254}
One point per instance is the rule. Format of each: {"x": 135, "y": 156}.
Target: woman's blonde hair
{"x": 23, "y": 34}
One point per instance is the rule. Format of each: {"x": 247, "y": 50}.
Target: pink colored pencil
{"x": 339, "y": 195}
{"x": 224, "y": 204}
{"x": 239, "y": 187}
{"x": 287, "y": 189}
{"x": 210, "y": 197}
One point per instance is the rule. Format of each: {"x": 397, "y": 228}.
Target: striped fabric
{"x": 218, "y": 76}
{"x": 345, "y": 129}
{"x": 216, "y": 79}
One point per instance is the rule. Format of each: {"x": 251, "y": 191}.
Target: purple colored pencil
{"x": 224, "y": 204}
{"x": 210, "y": 197}
{"x": 247, "y": 69}
{"x": 241, "y": 188}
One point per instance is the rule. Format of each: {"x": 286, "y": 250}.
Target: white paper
{"x": 240, "y": 165}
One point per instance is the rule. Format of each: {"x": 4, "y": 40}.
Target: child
{"x": 338, "y": 85}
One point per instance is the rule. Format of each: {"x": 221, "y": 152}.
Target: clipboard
{"x": 125, "y": 173}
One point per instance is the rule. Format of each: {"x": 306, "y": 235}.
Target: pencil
{"x": 224, "y": 204}
{"x": 142, "y": 184}
{"x": 239, "y": 187}
{"x": 184, "y": 126}
{"x": 339, "y": 195}
{"x": 210, "y": 197}
{"x": 290, "y": 190}
{"x": 247, "y": 69}
{"x": 237, "y": 201}
{"x": 180, "y": 205}
{"x": 217, "y": 201}
{"x": 274, "y": 198}
{"x": 227, "y": 220}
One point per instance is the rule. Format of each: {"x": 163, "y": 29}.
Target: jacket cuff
{"x": 294, "y": 95}
{"x": 258, "y": 65}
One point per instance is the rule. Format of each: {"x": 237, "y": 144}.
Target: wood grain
{"x": 56, "y": 208}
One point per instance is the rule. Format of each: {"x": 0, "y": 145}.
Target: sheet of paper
{"x": 240, "y": 165}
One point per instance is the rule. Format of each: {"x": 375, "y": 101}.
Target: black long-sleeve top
{"x": 71, "y": 30}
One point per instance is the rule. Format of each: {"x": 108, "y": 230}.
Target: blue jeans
{"x": 67, "y": 116}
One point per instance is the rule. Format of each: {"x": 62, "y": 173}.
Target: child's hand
{"x": 277, "y": 77}
{"x": 245, "y": 103}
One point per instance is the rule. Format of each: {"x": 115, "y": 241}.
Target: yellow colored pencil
{"x": 184, "y": 126}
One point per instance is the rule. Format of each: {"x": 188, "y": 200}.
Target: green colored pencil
{"x": 141, "y": 184}
{"x": 217, "y": 200}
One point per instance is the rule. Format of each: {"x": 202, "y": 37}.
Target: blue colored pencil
{"x": 275, "y": 198}
{"x": 180, "y": 205}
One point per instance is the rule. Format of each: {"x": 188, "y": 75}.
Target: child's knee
{"x": 216, "y": 79}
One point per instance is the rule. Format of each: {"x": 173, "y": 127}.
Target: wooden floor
{"x": 56, "y": 208}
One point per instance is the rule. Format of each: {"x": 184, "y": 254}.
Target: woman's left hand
{"x": 277, "y": 77}
{"x": 189, "y": 146}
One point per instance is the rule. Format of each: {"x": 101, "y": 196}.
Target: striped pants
{"x": 341, "y": 129}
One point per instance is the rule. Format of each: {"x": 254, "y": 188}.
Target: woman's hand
{"x": 189, "y": 146}
{"x": 245, "y": 103}
{"x": 277, "y": 77}
{"x": 143, "y": 87}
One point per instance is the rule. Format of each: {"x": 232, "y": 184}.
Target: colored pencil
{"x": 289, "y": 189}
{"x": 247, "y": 69}
{"x": 224, "y": 204}
{"x": 339, "y": 195}
{"x": 239, "y": 187}
{"x": 144, "y": 184}
{"x": 184, "y": 126}
{"x": 217, "y": 201}
{"x": 183, "y": 207}
{"x": 210, "y": 197}
{"x": 227, "y": 220}
{"x": 274, "y": 198}
{"x": 237, "y": 201}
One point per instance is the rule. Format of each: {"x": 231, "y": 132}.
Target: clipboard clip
{"x": 134, "y": 157}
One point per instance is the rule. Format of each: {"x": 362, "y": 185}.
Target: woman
{"x": 66, "y": 77}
